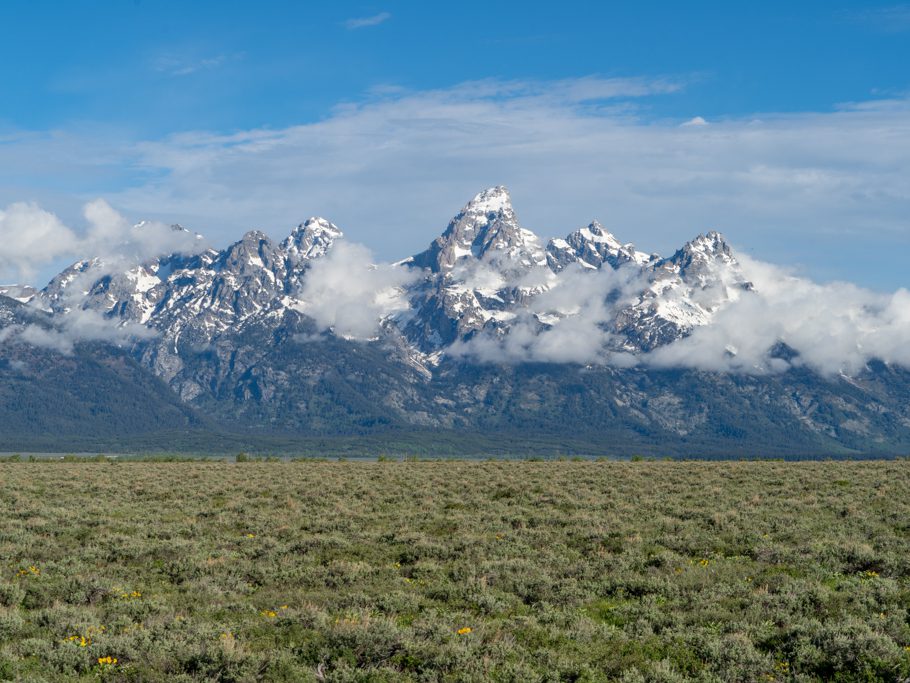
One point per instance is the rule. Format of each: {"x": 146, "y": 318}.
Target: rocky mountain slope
{"x": 483, "y": 345}
{"x": 94, "y": 396}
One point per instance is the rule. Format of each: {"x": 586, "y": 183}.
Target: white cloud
{"x": 696, "y": 121}
{"x": 78, "y": 325}
{"x": 787, "y": 321}
{"x": 567, "y": 323}
{"x": 172, "y": 65}
{"x": 36, "y": 335}
{"x": 836, "y": 327}
{"x": 31, "y": 237}
{"x": 346, "y": 292}
{"x": 824, "y": 190}
{"x": 111, "y": 237}
{"x": 394, "y": 168}
{"x": 363, "y": 22}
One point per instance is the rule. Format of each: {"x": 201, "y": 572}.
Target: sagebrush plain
{"x": 455, "y": 571}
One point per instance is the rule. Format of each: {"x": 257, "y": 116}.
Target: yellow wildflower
{"x": 269, "y": 613}
{"x": 81, "y": 641}
{"x": 108, "y": 661}
{"x": 464, "y": 631}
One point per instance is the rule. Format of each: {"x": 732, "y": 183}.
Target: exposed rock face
{"x": 592, "y": 247}
{"x": 681, "y": 293}
{"x": 483, "y": 267}
{"x": 227, "y": 331}
{"x": 21, "y": 293}
{"x": 477, "y": 278}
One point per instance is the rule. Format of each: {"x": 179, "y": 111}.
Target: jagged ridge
{"x": 232, "y": 338}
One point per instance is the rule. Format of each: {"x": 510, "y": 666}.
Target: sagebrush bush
{"x": 455, "y": 571}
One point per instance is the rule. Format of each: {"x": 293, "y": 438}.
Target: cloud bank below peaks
{"x": 33, "y": 237}
{"x": 568, "y": 322}
{"x": 790, "y": 321}
{"x": 783, "y": 322}
{"x": 347, "y": 293}
{"x": 77, "y": 325}
{"x": 571, "y": 316}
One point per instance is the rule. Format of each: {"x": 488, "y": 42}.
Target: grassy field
{"x": 459, "y": 571}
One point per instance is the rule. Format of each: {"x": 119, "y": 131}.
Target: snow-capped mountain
{"x": 230, "y": 332}
{"x": 198, "y": 294}
{"x": 189, "y": 300}
{"x": 475, "y": 278}
{"x": 483, "y": 267}
{"x": 682, "y": 292}
{"x": 486, "y": 267}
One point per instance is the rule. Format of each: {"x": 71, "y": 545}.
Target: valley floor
{"x": 457, "y": 571}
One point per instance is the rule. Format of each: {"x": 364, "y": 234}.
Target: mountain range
{"x": 490, "y": 341}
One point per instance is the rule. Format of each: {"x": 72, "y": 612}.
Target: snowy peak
{"x": 311, "y": 239}
{"x": 251, "y": 255}
{"x": 21, "y": 293}
{"x": 493, "y": 200}
{"x": 482, "y": 267}
{"x": 253, "y": 242}
{"x": 484, "y": 275}
{"x": 704, "y": 248}
{"x": 706, "y": 260}
{"x": 683, "y": 292}
{"x": 591, "y": 247}
{"x": 485, "y": 229}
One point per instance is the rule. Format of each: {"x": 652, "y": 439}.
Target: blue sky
{"x": 386, "y": 117}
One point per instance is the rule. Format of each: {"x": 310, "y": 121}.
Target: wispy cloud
{"x": 889, "y": 19}
{"x": 363, "y": 22}
{"x": 824, "y": 189}
{"x": 172, "y": 65}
